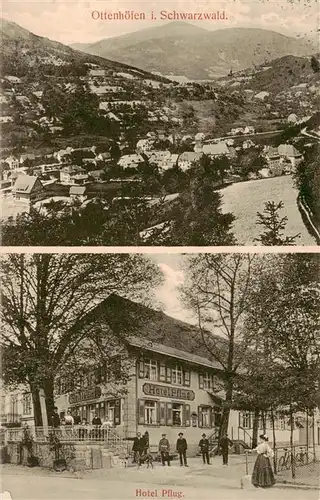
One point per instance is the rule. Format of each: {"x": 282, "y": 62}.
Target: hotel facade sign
{"x": 85, "y": 395}
{"x": 168, "y": 392}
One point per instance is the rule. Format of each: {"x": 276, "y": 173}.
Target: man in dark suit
{"x": 225, "y": 442}
{"x": 181, "y": 448}
{"x": 204, "y": 448}
{"x": 137, "y": 447}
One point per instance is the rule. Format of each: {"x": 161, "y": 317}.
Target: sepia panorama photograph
{"x": 180, "y": 123}
{"x": 170, "y": 375}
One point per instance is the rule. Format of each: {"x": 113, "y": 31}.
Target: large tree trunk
{"x": 226, "y": 411}
{"x": 36, "y": 406}
{"x": 48, "y": 386}
{"x": 255, "y": 428}
{"x": 274, "y": 443}
{"x": 293, "y": 465}
{"x": 264, "y": 422}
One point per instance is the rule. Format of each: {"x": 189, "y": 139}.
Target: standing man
{"x": 76, "y": 417}
{"x": 164, "y": 448}
{"x": 55, "y": 419}
{"x": 137, "y": 447}
{"x": 225, "y": 442}
{"x": 204, "y": 448}
{"x": 181, "y": 448}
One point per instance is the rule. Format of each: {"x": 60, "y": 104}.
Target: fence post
{"x": 247, "y": 469}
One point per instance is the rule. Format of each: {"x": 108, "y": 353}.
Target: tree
{"x": 216, "y": 289}
{"x": 274, "y": 226}
{"x": 284, "y": 321}
{"x": 47, "y": 300}
{"x": 197, "y": 217}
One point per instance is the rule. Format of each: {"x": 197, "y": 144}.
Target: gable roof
{"x": 288, "y": 150}
{"x": 146, "y": 328}
{"x": 216, "y": 149}
{"x": 26, "y": 183}
{"x": 189, "y": 156}
{"x": 77, "y": 190}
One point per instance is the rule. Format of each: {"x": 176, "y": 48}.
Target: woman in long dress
{"x": 262, "y": 475}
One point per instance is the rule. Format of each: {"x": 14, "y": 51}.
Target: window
{"x": 176, "y": 414}
{"x": 113, "y": 410}
{"x": 151, "y": 369}
{"x": 245, "y": 420}
{"x": 177, "y": 375}
{"x": 206, "y": 381}
{"x": 14, "y": 404}
{"x": 150, "y": 412}
{"x": 205, "y": 413}
{"x": 26, "y": 404}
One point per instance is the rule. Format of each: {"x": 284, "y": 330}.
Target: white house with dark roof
{"x": 28, "y": 188}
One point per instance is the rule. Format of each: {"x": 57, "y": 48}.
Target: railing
{"x": 10, "y": 418}
{"x": 245, "y": 435}
{"x": 299, "y": 455}
{"x": 109, "y": 437}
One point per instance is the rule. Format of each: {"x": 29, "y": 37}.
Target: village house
{"x": 216, "y": 150}
{"x": 106, "y": 157}
{"x": 28, "y": 189}
{"x": 174, "y": 384}
{"x": 6, "y": 119}
{"x": 13, "y": 162}
{"x": 187, "y": 159}
{"x": 262, "y": 96}
{"x": 158, "y": 157}
{"x": 130, "y": 161}
{"x": 73, "y": 174}
{"x": 97, "y": 72}
{"x": 291, "y": 153}
{"x": 144, "y": 145}
{"x": 97, "y": 175}
{"x": 274, "y": 161}
{"x": 28, "y": 156}
{"x": 63, "y": 153}
{"x": 78, "y": 193}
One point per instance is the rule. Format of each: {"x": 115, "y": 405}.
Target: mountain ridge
{"x": 168, "y": 49}
{"x": 22, "y": 48}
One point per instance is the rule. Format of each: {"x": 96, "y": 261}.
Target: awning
{"x": 217, "y": 398}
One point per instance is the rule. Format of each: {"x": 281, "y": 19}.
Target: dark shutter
{"x": 169, "y": 413}
{"x": 186, "y": 378}
{"x": 199, "y": 417}
{"x": 186, "y": 415}
{"x": 162, "y": 372}
{"x": 117, "y": 412}
{"x": 162, "y": 413}
{"x": 211, "y": 417}
{"x": 140, "y": 411}
{"x": 141, "y": 368}
{"x": 200, "y": 381}
{"x": 157, "y": 413}
{"x": 168, "y": 375}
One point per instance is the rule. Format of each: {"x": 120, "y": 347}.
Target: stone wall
{"x": 78, "y": 456}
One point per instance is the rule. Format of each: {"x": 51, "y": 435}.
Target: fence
{"x": 109, "y": 437}
{"x": 297, "y": 456}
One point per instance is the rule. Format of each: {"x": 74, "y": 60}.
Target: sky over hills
{"x": 68, "y": 21}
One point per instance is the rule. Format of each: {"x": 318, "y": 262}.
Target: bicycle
{"x": 284, "y": 462}
{"x": 301, "y": 457}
